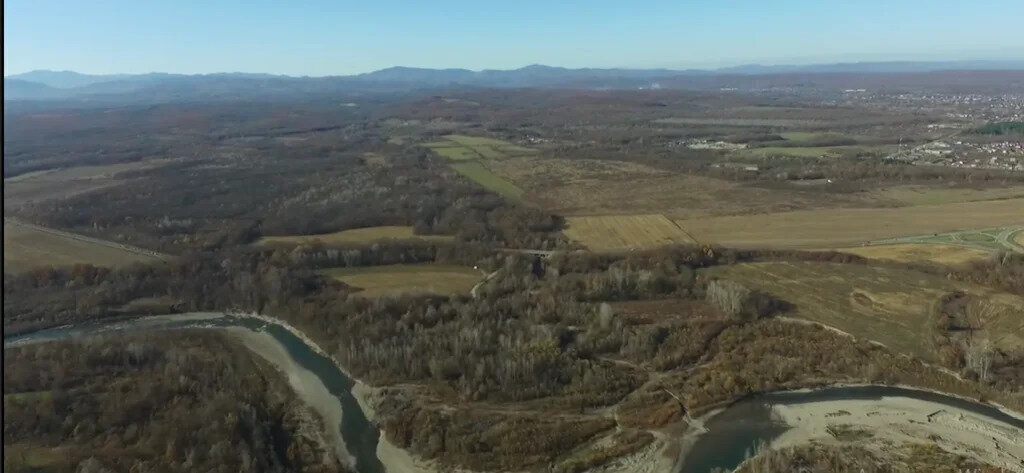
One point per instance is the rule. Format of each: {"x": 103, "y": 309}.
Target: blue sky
{"x": 341, "y": 37}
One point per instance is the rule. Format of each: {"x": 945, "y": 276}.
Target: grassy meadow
{"x": 355, "y": 236}
{"x": 397, "y": 279}
{"x": 28, "y": 247}
{"x": 480, "y": 174}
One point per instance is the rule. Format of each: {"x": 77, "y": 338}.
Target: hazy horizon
{"x": 1013, "y": 60}
{"x": 324, "y": 39}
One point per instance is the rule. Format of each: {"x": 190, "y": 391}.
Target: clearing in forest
{"x": 463, "y": 147}
{"x": 66, "y": 182}
{"x": 895, "y": 307}
{"x": 480, "y": 174}
{"x": 394, "y": 279}
{"x": 28, "y": 246}
{"x": 356, "y": 236}
{"x": 619, "y": 232}
{"x": 468, "y": 155}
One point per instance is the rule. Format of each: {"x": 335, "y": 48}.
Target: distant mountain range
{"x": 69, "y": 85}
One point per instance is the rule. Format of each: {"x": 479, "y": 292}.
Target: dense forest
{"x": 174, "y": 401}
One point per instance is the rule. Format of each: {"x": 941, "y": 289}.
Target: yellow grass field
{"x": 356, "y": 235}
{"x": 851, "y": 226}
{"x": 397, "y": 279}
{"x": 618, "y": 232}
{"x": 919, "y": 252}
{"x": 887, "y": 305}
{"x": 1020, "y": 238}
{"x": 27, "y": 247}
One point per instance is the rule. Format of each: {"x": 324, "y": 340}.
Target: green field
{"x": 355, "y": 235}
{"x": 397, "y": 279}
{"x": 477, "y": 172}
{"x": 456, "y": 153}
{"x": 894, "y": 307}
{"x": 469, "y": 153}
{"x": 463, "y": 147}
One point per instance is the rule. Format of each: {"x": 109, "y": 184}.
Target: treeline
{"x": 1000, "y": 128}
{"x": 39, "y": 137}
{"x": 174, "y": 401}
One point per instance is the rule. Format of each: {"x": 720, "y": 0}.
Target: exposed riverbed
{"x": 893, "y": 414}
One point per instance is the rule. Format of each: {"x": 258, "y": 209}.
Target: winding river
{"x": 359, "y": 434}
{"x": 731, "y": 434}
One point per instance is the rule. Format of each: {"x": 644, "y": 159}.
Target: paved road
{"x": 1002, "y": 239}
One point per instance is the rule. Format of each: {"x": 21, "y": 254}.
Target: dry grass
{"x": 832, "y": 228}
{"x": 741, "y": 122}
{"x": 356, "y": 235}
{"x": 919, "y": 252}
{"x": 603, "y": 187}
{"x": 920, "y": 195}
{"x": 66, "y": 182}
{"x": 891, "y": 306}
{"x": 26, "y": 248}
{"x": 407, "y": 278}
{"x": 618, "y": 232}
{"x": 1019, "y": 238}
